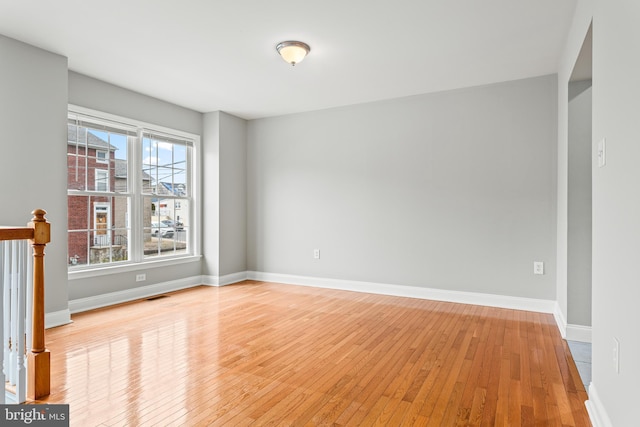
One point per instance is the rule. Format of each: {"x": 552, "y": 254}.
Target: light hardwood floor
{"x": 270, "y": 354}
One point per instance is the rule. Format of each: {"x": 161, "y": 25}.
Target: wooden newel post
{"x": 38, "y": 359}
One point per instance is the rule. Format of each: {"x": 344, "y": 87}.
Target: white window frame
{"x": 104, "y": 178}
{"x": 137, "y": 261}
{"x": 104, "y": 159}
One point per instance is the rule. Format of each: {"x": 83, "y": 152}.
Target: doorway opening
{"x": 579, "y": 210}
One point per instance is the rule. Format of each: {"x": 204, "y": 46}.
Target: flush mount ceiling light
{"x": 292, "y": 51}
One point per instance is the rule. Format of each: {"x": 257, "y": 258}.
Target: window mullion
{"x": 135, "y": 170}
{"x": 189, "y": 182}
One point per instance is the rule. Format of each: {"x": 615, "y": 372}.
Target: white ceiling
{"x": 213, "y": 55}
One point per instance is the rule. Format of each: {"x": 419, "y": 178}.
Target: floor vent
{"x": 157, "y": 297}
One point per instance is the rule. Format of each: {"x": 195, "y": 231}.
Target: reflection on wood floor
{"x": 259, "y": 353}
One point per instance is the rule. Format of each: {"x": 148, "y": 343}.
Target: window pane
{"x": 180, "y": 170}
{"x": 77, "y": 218}
{"x": 78, "y": 225}
{"x": 164, "y": 167}
{"x": 102, "y": 180}
{"x": 149, "y": 166}
{"x": 78, "y": 247}
{"x": 99, "y": 229}
{"x": 76, "y": 169}
{"x": 165, "y": 231}
{"x": 110, "y": 232}
{"x": 119, "y": 164}
{"x": 121, "y": 233}
{"x": 93, "y": 156}
{"x": 120, "y": 170}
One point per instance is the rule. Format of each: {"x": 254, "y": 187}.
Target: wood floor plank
{"x": 259, "y": 353}
{"x": 437, "y": 351}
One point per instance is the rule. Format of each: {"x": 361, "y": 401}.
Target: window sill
{"x": 83, "y": 273}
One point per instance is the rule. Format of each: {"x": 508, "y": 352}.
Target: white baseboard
{"x": 227, "y": 279}
{"x": 57, "y": 318}
{"x": 502, "y": 301}
{"x": 595, "y": 408}
{"x": 209, "y": 280}
{"x": 579, "y": 333}
{"x": 568, "y": 331}
{"x": 560, "y": 320}
{"x": 90, "y": 303}
{"x": 232, "y": 278}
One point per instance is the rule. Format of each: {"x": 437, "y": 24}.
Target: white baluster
{"x": 21, "y": 377}
{"x": 29, "y": 308}
{"x": 2, "y": 320}
{"x": 16, "y": 274}
{"x": 6, "y": 309}
{"x": 15, "y": 284}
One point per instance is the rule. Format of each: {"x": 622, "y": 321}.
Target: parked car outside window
{"x": 175, "y": 225}
{"x": 161, "y": 229}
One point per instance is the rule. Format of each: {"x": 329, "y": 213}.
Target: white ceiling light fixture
{"x": 293, "y": 51}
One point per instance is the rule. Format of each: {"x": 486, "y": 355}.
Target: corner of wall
{"x": 225, "y": 280}
{"x": 560, "y": 320}
{"x": 57, "y": 318}
{"x": 597, "y": 413}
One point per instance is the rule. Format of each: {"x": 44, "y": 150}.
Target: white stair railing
{"x": 16, "y": 271}
{"x": 24, "y": 358}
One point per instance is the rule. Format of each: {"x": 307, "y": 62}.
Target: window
{"x": 102, "y": 156}
{"x": 130, "y": 191}
{"x": 166, "y": 190}
{"x": 102, "y": 180}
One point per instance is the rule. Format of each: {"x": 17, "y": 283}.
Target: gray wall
{"x": 33, "y": 109}
{"x": 616, "y": 207}
{"x": 98, "y": 95}
{"x": 453, "y": 190}
{"x": 233, "y": 194}
{"x": 91, "y": 93}
{"x": 225, "y": 194}
{"x": 579, "y": 205}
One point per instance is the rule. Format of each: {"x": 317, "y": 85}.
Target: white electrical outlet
{"x": 602, "y": 152}
{"x": 616, "y": 355}
{"x": 316, "y": 254}
{"x": 538, "y": 267}
{"x": 141, "y": 277}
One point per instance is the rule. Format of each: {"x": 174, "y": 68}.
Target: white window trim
{"x": 103, "y": 160}
{"x": 126, "y": 267}
{"x": 105, "y": 177}
{"x": 137, "y": 260}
